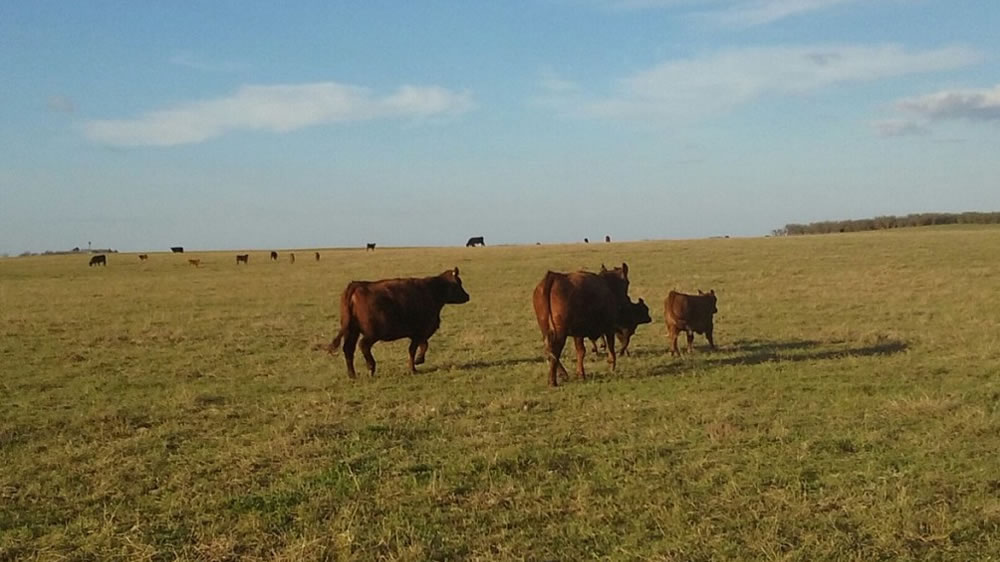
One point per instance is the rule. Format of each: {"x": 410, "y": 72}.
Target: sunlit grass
{"x": 155, "y": 411}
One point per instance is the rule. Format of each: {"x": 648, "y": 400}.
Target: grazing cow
{"x": 274, "y": 256}
{"x": 177, "y": 249}
{"x": 579, "y": 305}
{"x": 393, "y": 309}
{"x": 317, "y": 256}
{"x": 370, "y": 246}
{"x": 242, "y": 258}
{"x": 98, "y": 260}
{"x": 636, "y": 313}
{"x": 586, "y": 240}
{"x": 196, "y": 263}
{"x": 293, "y": 257}
{"x": 690, "y": 314}
{"x": 475, "y": 241}
{"x": 607, "y": 238}
{"x": 143, "y": 257}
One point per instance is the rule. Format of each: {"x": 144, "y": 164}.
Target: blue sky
{"x": 142, "y": 125}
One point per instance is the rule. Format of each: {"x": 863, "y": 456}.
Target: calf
{"x": 242, "y": 258}
{"x": 635, "y": 313}
{"x": 475, "y": 241}
{"x": 393, "y": 309}
{"x": 143, "y": 257}
{"x": 274, "y": 256}
{"x": 98, "y": 260}
{"x": 690, "y": 314}
{"x": 579, "y": 305}
{"x": 196, "y": 263}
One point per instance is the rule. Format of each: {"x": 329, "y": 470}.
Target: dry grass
{"x": 158, "y": 411}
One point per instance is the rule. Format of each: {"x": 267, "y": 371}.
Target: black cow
{"x": 274, "y": 256}
{"x": 242, "y": 258}
{"x": 177, "y": 249}
{"x": 475, "y": 241}
{"x": 99, "y": 260}
{"x": 370, "y": 246}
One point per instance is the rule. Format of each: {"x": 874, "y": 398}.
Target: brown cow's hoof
{"x": 418, "y": 361}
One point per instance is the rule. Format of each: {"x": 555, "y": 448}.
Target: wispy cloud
{"x": 276, "y": 108}
{"x": 733, "y": 13}
{"x": 899, "y": 128}
{"x": 970, "y": 105}
{"x": 60, "y": 104}
{"x": 190, "y": 60}
{"x": 718, "y": 82}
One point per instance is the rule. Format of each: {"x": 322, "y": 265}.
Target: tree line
{"x": 888, "y": 221}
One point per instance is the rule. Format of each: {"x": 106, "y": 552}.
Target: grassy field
{"x": 154, "y": 411}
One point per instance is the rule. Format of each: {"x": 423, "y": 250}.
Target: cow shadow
{"x": 757, "y": 352}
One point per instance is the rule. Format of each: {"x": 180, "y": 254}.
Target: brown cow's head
{"x": 710, "y": 296}
{"x": 453, "y": 292}
{"x": 640, "y": 313}
{"x": 617, "y": 280}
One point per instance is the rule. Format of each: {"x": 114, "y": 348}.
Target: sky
{"x": 244, "y": 124}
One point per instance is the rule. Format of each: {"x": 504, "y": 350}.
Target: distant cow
{"x": 196, "y": 263}
{"x": 293, "y": 257}
{"x": 143, "y": 257}
{"x": 607, "y": 238}
{"x": 635, "y": 313}
{"x": 690, "y": 314}
{"x": 317, "y": 256}
{"x": 580, "y": 305}
{"x": 393, "y": 309}
{"x": 370, "y": 246}
{"x": 98, "y": 260}
{"x": 475, "y": 241}
{"x": 586, "y": 240}
{"x": 177, "y": 249}
{"x": 242, "y": 258}
{"x": 274, "y": 256}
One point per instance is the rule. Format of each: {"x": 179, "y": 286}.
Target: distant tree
{"x": 885, "y": 222}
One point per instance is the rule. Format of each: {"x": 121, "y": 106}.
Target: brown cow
{"x": 393, "y": 309}
{"x": 242, "y": 258}
{"x": 635, "y": 314}
{"x": 143, "y": 257}
{"x": 98, "y": 260}
{"x": 195, "y": 263}
{"x": 690, "y": 314}
{"x": 579, "y": 305}
{"x": 293, "y": 257}
{"x": 274, "y": 256}
{"x": 317, "y": 256}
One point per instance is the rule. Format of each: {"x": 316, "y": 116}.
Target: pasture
{"x": 155, "y": 411}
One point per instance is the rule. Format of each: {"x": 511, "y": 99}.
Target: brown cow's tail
{"x": 544, "y": 311}
{"x": 346, "y": 313}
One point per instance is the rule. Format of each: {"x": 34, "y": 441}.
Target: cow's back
{"x": 393, "y": 308}
{"x": 581, "y": 304}
{"x": 688, "y": 311}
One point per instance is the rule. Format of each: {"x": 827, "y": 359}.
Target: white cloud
{"x": 735, "y": 13}
{"x": 899, "y": 128}
{"x": 693, "y": 87}
{"x": 971, "y": 105}
{"x": 760, "y": 12}
{"x": 191, "y": 60}
{"x": 277, "y": 108}
{"x": 60, "y": 104}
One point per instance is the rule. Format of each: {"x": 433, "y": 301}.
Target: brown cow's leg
{"x": 593, "y": 342}
{"x": 624, "y": 338}
{"x": 421, "y": 352}
{"x": 612, "y": 358}
{"x": 350, "y": 342}
{"x": 581, "y": 351}
{"x": 708, "y": 335}
{"x": 366, "y": 350}
{"x": 672, "y": 333}
{"x": 555, "y": 348}
{"x": 690, "y": 336}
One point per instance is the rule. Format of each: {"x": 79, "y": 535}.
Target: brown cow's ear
{"x": 641, "y": 301}
{"x": 456, "y": 271}
{"x": 625, "y": 269}
{"x": 711, "y": 292}
{"x": 700, "y": 292}
{"x": 603, "y": 269}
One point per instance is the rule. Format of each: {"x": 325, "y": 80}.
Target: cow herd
{"x": 579, "y": 305}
